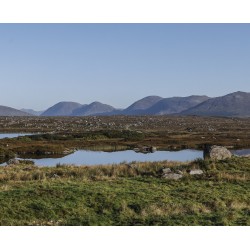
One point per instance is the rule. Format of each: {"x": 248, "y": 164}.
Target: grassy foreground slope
{"x": 134, "y": 194}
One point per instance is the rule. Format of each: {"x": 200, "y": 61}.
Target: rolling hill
{"x": 7, "y": 111}
{"x": 93, "y": 109}
{"x": 141, "y": 105}
{"x": 32, "y": 112}
{"x": 62, "y": 109}
{"x": 234, "y": 104}
{"x": 175, "y": 105}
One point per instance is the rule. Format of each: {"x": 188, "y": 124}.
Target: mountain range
{"x": 232, "y": 105}
{"x": 235, "y": 104}
{"x": 7, "y": 111}
{"x": 32, "y": 112}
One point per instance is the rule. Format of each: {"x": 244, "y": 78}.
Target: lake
{"x": 241, "y": 152}
{"x": 86, "y": 157}
{"x": 12, "y": 135}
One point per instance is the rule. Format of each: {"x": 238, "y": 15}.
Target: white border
{"x": 124, "y": 11}
{"x": 206, "y": 238}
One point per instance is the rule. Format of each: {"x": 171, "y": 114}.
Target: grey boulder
{"x": 216, "y": 153}
{"x": 172, "y": 176}
{"x": 196, "y": 172}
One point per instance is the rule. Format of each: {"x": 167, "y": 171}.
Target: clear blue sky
{"x": 117, "y": 64}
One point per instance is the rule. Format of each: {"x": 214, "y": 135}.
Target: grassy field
{"x": 126, "y": 194}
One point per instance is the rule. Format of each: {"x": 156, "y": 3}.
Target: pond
{"x": 89, "y": 157}
{"x": 241, "y": 152}
{"x": 85, "y": 157}
{"x": 12, "y": 135}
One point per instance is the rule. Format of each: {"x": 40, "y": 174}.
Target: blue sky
{"x": 117, "y": 64}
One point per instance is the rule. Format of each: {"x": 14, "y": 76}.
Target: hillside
{"x": 93, "y": 108}
{"x": 234, "y": 104}
{"x": 7, "y": 111}
{"x": 175, "y": 105}
{"x": 62, "y": 109}
{"x": 32, "y": 112}
{"x": 141, "y": 105}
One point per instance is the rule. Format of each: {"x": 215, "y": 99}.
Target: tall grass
{"x": 126, "y": 194}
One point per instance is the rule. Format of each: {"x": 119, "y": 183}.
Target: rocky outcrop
{"x": 172, "y": 176}
{"x": 145, "y": 149}
{"x": 13, "y": 162}
{"x": 168, "y": 174}
{"x": 216, "y": 152}
{"x": 196, "y": 172}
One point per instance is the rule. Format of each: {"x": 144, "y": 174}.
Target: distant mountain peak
{"x": 8, "y": 111}
{"x": 62, "y": 109}
{"x": 32, "y": 112}
{"x": 174, "y": 105}
{"x": 141, "y": 105}
{"x": 233, "y": 104}
{"x": 93, "y": 109}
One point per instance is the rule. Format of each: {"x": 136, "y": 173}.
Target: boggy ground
{"x": 61, "y": 135}
{"x": 126, "y": 194}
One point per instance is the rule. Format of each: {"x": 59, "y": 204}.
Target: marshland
{"x": 126, "y": 193}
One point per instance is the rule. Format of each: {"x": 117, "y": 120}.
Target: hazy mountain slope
{"x": 7, "y": 111}
{"x": 92, "y": 109}
{"x": 32, "y": 112}
{"x": 234, "y": 104}
{"x": 62, "y": 109}
{"x": 175, "y": 105}
{"x": 141, "y": 105}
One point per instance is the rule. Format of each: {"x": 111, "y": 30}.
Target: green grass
{"x": 123, "y": 195}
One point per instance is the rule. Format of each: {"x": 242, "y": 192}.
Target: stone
{"x": 179, "y": 172}
{"x": 55, "y": 176}
{"x": 166, "y": 170}
{"x": 216, "y": 152}
{"x": 196, "y": 172}
{"x": 172, "y": 176}
{"x": 13, "y": 162}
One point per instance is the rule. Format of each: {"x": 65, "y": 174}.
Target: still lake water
{"x": 88, "y": 157}
{"x": 85, "y": 157}
{"x": 12, "y": 135}
{"x": 241, "y": 152}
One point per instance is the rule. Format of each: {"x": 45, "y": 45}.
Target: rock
{"x": 216, "y": 152}
{"x": 55, "y": 176}
{"x": 166, "y": 170}
{"x": 172, "y": 176}
{"x": 145, "y": 149}
{"x": 13, "y": 162}
{"x": 196, "y": 172}
{"x": 153, "y": 149}
{"x": 179, "y": 172}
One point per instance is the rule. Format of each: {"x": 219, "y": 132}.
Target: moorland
{"x": 62, "y": 135}
{"x": 127, "y": 193}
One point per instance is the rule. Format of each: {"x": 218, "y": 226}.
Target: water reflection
{"x": 84, "y": 157}
{"x": 241, "y": 152}
{"x": 12, "y": 135}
